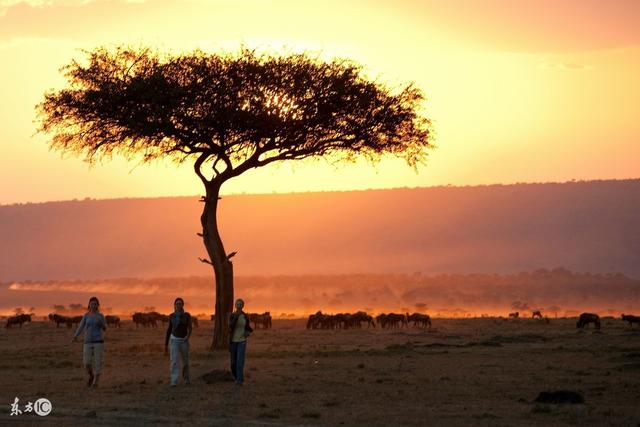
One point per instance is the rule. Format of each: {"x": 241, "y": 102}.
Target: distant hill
{"x": 582, "y": 226}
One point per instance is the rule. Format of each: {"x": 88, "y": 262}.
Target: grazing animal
{"x": 55, "y": 318}
{"x": 113, "y": 320}
{"x": 329, "y": 321}
{"x": 343, "y": 321}
{"x": 515, "y": 315}
{"x": 194, "y": 321}
{"x": 537, "y": 314}
{"x": 419, "y": 319}
{"x": 144, "y": 319}
{"x": 393, "y": 320}
{"x": 213, "y": 317}
{"x": 158, "y": 317}
{"x": 58, "y": 319}
{"x": 362, "y": 316}
{"x": 631, "y": 319}
{"x": 381, "y": 319}
{"x": 316, "y": 321}
{"x": 312, "y": 321}
{"x": 586, "y": 318}
{"x": 261, "y": 320}
{"x": 18, "y": 320}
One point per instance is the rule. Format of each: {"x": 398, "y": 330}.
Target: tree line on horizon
{"x": 243, "y": 194}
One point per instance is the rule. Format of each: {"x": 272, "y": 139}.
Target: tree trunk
{"x": 223, "y": 268}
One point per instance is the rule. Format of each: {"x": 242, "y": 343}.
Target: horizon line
{"x": 273, "y": 193}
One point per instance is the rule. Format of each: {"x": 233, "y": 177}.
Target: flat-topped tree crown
{"x": 229, "y": 113}
{"x": 234, "y": 112}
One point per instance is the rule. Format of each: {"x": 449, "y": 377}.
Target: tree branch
{"x": 197, "y": 167}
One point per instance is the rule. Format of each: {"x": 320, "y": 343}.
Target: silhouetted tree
{"x": 76, "y": 307}
{"x": 555, "y": 309}
{"x": 229, "y": 114}
{"x": 420, "y": 306}
{"x": 519, "y": 305}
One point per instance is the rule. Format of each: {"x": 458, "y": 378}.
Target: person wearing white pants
{"x": 94, "y": 325}
{"x": 177, "y": 339}
{"x": 179, "y": 349}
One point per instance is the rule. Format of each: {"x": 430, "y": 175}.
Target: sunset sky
{"x": 518, "y": 91}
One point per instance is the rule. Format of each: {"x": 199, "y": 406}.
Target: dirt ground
{"x": 484, "y": 371}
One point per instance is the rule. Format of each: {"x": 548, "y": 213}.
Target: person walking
{"x": 177, "y": 339}
{"x": 94, "y": 324}
{"x": 239, "y": 330}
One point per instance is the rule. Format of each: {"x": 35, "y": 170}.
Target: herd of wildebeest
{"x": 146, "y": 320}
{"x": 318, "y": 320}
{"x": 348, "y": 320}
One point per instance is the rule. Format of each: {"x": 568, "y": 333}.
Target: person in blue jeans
{"x": 239, "y": 330}
{"x": 177, "y": 340}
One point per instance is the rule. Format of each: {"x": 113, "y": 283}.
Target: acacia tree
{"x": 229, "y": 113}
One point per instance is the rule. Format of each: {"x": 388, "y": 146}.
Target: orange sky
{"x": 518, "y": 91}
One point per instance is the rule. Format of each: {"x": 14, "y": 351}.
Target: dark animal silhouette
{"x": 158, "y": 317}
{"x": 381, "y": 319}
{"x": 144, "y": 319}
{"x": 55, "y": 318}
{"x": 393, "y": 320}
{"x": 261, "y": 320}
{"x": 113, "y": 320}
{"x": 514, "y": 315}
{"x": 18, "y": 320}
{"x": 316, "y": 321}
{"x": 362, "y": 316}
{"x": 419, "y": 319}
{"x": 311, "y": 321}
{"x": 586, "y": 318}
{"x": 631, "y": 319}
{"x": 537, "y": 314}
{"x": 58, "y": 319}
{"x": 343, "y": 321}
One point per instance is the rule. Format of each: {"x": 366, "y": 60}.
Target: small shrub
{"x": 561, "y": 396}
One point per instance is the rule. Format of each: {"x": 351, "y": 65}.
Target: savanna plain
{"x": 471, "y": 371}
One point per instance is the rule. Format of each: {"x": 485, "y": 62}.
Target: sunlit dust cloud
{"x": 556, "y": 292}
{"x": 112, "y": 288}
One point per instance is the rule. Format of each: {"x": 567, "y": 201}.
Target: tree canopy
{"x": 232, "y": 112}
